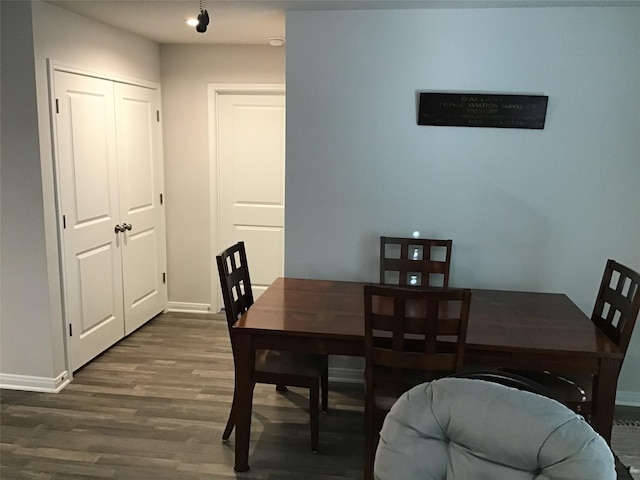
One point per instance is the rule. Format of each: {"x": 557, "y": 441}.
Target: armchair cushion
{"x": 462, "y": 429}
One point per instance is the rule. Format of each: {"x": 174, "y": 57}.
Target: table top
{"x": 498, "y": 319}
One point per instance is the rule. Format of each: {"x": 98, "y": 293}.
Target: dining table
{"x": 506, "y": 329}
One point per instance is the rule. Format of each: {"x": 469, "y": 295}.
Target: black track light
{"x": 203, "y": 18}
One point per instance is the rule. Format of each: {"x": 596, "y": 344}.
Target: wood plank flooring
{"x": 154, "y": 407}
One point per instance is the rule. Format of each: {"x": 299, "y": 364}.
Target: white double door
{"x": 109, "y": 162}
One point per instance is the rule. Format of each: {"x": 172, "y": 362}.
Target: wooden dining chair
{"x": 415, "y": 261}
{"x": 615, "y": 312}
{"x": 271, "y": 367}
{"x": 411, "y": 336}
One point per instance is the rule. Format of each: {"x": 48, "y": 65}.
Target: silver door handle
{"x": 119, "y": 228}
{"x": 127, "y": 226}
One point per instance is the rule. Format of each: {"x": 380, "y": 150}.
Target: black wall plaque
{"x": 482, "y": 110}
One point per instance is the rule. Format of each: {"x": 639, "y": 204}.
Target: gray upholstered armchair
{"x": 463, "y": 429}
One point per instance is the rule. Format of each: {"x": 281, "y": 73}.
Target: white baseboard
{"x": 183, "y": 307}
{"x": 34, "y": 384}
{"x": 628, "y": 399}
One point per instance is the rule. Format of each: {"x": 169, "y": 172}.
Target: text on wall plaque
{"x": 482, "y": 110}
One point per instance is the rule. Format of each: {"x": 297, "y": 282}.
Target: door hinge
{"x": 57, "y": 106}
{"x": 71, "y": 330}
{"x": 158, "y": 115}
{"x": 161, "y": 199}
{"x": 164, "y": 277}
{"x": 64, "y": 222}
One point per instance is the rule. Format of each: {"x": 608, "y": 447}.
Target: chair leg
{"x": 314, "y": 413}
{"x": 231, "y": 423}
{"x": 368, "y": 444}
{"x": 325, "y": 390}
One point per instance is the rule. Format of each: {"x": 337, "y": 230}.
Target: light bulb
{"x": 416, "y": 234}
{"x": 276, "y": 41}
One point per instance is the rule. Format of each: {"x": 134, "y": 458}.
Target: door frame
{"x": 214, "y": 91}
{"x": 52, "y": 67}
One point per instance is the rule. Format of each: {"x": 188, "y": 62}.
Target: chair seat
{"x": 570, "y": 389}
{"x": 290, "y": 363}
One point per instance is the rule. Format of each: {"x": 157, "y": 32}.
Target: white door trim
{"x": 64, "y": 67}
{"x": 214, "y": 91}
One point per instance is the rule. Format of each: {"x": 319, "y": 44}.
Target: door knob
{"x": 127, "y": 226}
{"x": 119, "y": 228}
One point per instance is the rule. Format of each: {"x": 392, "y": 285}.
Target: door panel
{"x": 140, "y": 181}
{"x": 141, "y": 267}
{"x": 86, "y": 153}
{"x": 264, "y": 268}
{"x": 251, "y": 148}
{"x": 95, "y": 271}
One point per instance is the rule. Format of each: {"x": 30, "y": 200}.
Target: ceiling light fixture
{"x": 203, "y": 18}
{"x": 276, "y": 41}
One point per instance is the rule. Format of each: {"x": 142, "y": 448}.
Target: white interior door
{"x": 109, "y": 160}
{"x": 251, "y": 161}
{"x": 86, "y": 155}
{"x": 141, "y": 209}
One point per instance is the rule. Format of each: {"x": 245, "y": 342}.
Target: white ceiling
{"x": 254, "y": 21}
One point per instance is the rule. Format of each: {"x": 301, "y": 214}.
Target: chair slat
{"x": 397, "y": 259}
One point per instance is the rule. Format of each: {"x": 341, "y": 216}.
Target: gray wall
{"x": 186, "y": 72}
{"x": 24, "y": 293}
{"x": 526, "y": 209}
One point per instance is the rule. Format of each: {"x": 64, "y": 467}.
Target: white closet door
{"x": 86, "y": 154}
{"x": 140, "y": 184}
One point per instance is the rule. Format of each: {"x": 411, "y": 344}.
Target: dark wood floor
{"x": 154, "y": 407}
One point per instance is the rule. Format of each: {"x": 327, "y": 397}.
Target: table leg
{"x": 604, "y": 397}
{"x": 244, "y": 374}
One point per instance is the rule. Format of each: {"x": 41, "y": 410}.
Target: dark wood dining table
{"x": 522, "y": 330}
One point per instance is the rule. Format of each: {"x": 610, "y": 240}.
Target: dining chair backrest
{"x": 618, "y": 303}
{"x": 235, "y": 282}
{"x": 410, "y": 329}
{"x": 415, "y": 261}
{"x": 412, "y": 335}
